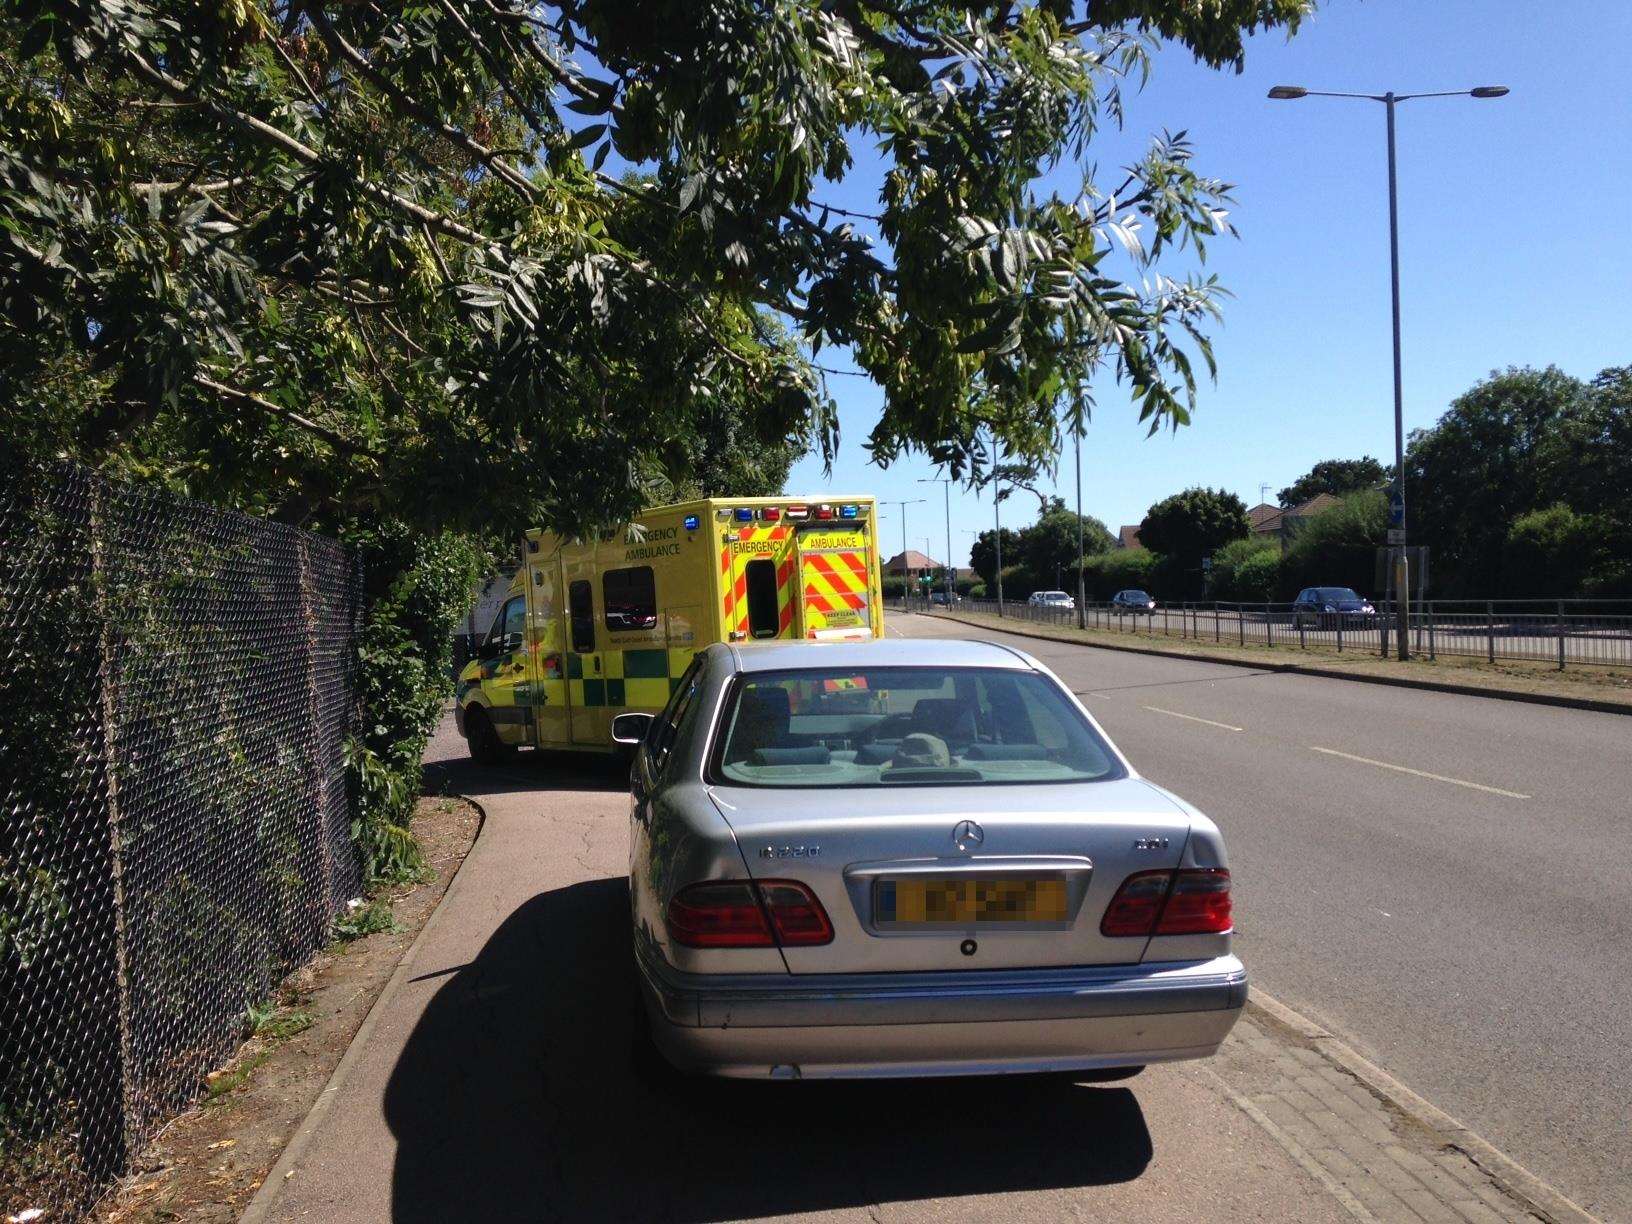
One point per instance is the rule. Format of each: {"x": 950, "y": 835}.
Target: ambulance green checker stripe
{"x": 631, "y": 679}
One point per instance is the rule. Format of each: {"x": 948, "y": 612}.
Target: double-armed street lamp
{"x": 1287, "y": 93}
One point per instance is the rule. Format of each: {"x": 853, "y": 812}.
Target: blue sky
{"x": 1514, "y": 248}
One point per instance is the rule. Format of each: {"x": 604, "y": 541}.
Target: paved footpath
{"x": 493, "y": 1082}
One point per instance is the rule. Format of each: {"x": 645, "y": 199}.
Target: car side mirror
{"x": 630, "y": 728}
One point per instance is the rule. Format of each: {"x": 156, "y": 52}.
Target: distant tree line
{"x": 1522, "y": 489}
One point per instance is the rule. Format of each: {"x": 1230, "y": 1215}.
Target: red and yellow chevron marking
{"x": 836, "y": 594}
{"x": 726, "y": 584}
{"x": 756, "y": 543}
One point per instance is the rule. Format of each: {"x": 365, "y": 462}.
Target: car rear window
{"x": 881, "y": 727}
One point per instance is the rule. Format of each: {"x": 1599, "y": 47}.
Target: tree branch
{"x": 508, "y": 173}
{"x": 338, "y": 441}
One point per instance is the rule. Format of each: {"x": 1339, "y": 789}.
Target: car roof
{"x": 882, "y": 652}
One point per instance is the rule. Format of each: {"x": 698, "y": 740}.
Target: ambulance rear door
{"x": 759, "y": 567}
{"x": 834, "y": 568}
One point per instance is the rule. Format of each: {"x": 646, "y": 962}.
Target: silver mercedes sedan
{"x": 910, "y": 858}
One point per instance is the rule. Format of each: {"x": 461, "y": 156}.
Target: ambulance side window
{"x": 515, "y": 623}
{"x": 508, "y": 629}
{"x": 630, "y": 599}
{"x": 763, "y": 621}
{"x": 581, "y": 608}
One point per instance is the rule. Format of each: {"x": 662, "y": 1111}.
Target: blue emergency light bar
{"x": 847, "y": 512}
{"x": 744, "y": 515}
{"x": 692, "y": 522}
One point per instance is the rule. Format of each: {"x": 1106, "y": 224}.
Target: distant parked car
{"x": 1329, "y": 607}
{"x": 1133, "y": 601}
{"x": 944, "y": 599}
{"x": 1052, "y": 599}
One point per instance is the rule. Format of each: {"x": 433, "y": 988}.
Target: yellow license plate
{"x": 967, "y": 900}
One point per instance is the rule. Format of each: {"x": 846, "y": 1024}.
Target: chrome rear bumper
{"x": 988, "y": 1022}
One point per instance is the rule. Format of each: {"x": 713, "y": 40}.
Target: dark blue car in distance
{"x": 1329, "y": 607}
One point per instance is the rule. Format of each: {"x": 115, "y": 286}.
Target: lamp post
{"x": 1288, "y": 93}
{"x": 997, "y": 522}
{"x": 946, "y": 484}
{"x": 906, "y": 570}
{"x": 1082, "y": 582}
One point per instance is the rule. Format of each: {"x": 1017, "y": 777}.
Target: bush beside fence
{"x": 175, "y": 834}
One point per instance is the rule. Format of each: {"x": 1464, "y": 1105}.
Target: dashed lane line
{"x": 1193, "y": 718}
{"x": 1421, "y": 773}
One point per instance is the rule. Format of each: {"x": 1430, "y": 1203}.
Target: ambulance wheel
{"x": 486, "y": 748}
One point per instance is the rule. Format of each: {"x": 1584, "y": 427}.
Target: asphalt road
{"x": 1444, "y": 881}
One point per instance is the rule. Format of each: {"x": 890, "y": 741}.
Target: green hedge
{"x": 419, "y": 589}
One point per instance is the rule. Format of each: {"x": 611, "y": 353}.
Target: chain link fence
{"x": 176, "y": 691}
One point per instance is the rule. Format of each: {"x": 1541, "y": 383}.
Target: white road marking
{"x": 1193, "y": 718}
{"x": 1421, "y": 773}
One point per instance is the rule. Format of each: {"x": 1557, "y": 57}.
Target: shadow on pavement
{"x": 453, "y": 772}
{"x": 515, "y": 1098}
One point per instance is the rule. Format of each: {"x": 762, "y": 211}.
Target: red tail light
{"x": 797, "y": 915}
{"x": 1137, "y": 904}
{"x": 1199, "y": 903}
{"x": 1191, "y": 901}
{"x": 746, "y": 914}
{"x": 723, "y": 914}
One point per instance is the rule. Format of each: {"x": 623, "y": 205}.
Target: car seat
{"x": 948, "y": 718}
{"x": 762, "y": 721}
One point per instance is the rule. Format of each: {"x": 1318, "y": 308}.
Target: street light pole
{"x": 1082, "y": 584}
{"x": 906, "y": 570}
{"x": 946, "y": 485}
{"x": 997, "y": 523}
{"x": 1402, "y": 602}
{"x": 1390, "y": 100}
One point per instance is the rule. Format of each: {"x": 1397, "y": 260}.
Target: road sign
{"x": 1396, "y": 535}
{"x": 1206, "y": 565}
{"x": 1396, "y": 513}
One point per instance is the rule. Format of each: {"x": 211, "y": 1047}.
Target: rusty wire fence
{"x": 175, "y": 693}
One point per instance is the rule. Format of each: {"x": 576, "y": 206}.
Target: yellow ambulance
{"x": 591, "y": 630}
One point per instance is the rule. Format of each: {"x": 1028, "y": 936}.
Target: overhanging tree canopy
{"x": 323, "y": 256}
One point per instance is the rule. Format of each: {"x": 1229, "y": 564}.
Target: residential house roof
{"x": 1265, "y": 519}
{"x": 1128, "y": 537}
{"x": 910, "y": 561}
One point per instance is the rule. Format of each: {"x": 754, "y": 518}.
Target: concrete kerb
{"x": 1514, "y": 1178}
{"x": 266, "y": 1196}
{"x": 1326, "y": 673}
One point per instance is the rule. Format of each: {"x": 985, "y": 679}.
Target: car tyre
{"x": 486, "y": 748}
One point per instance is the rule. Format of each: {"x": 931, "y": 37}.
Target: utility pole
{"x": 1397, "y": 537}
